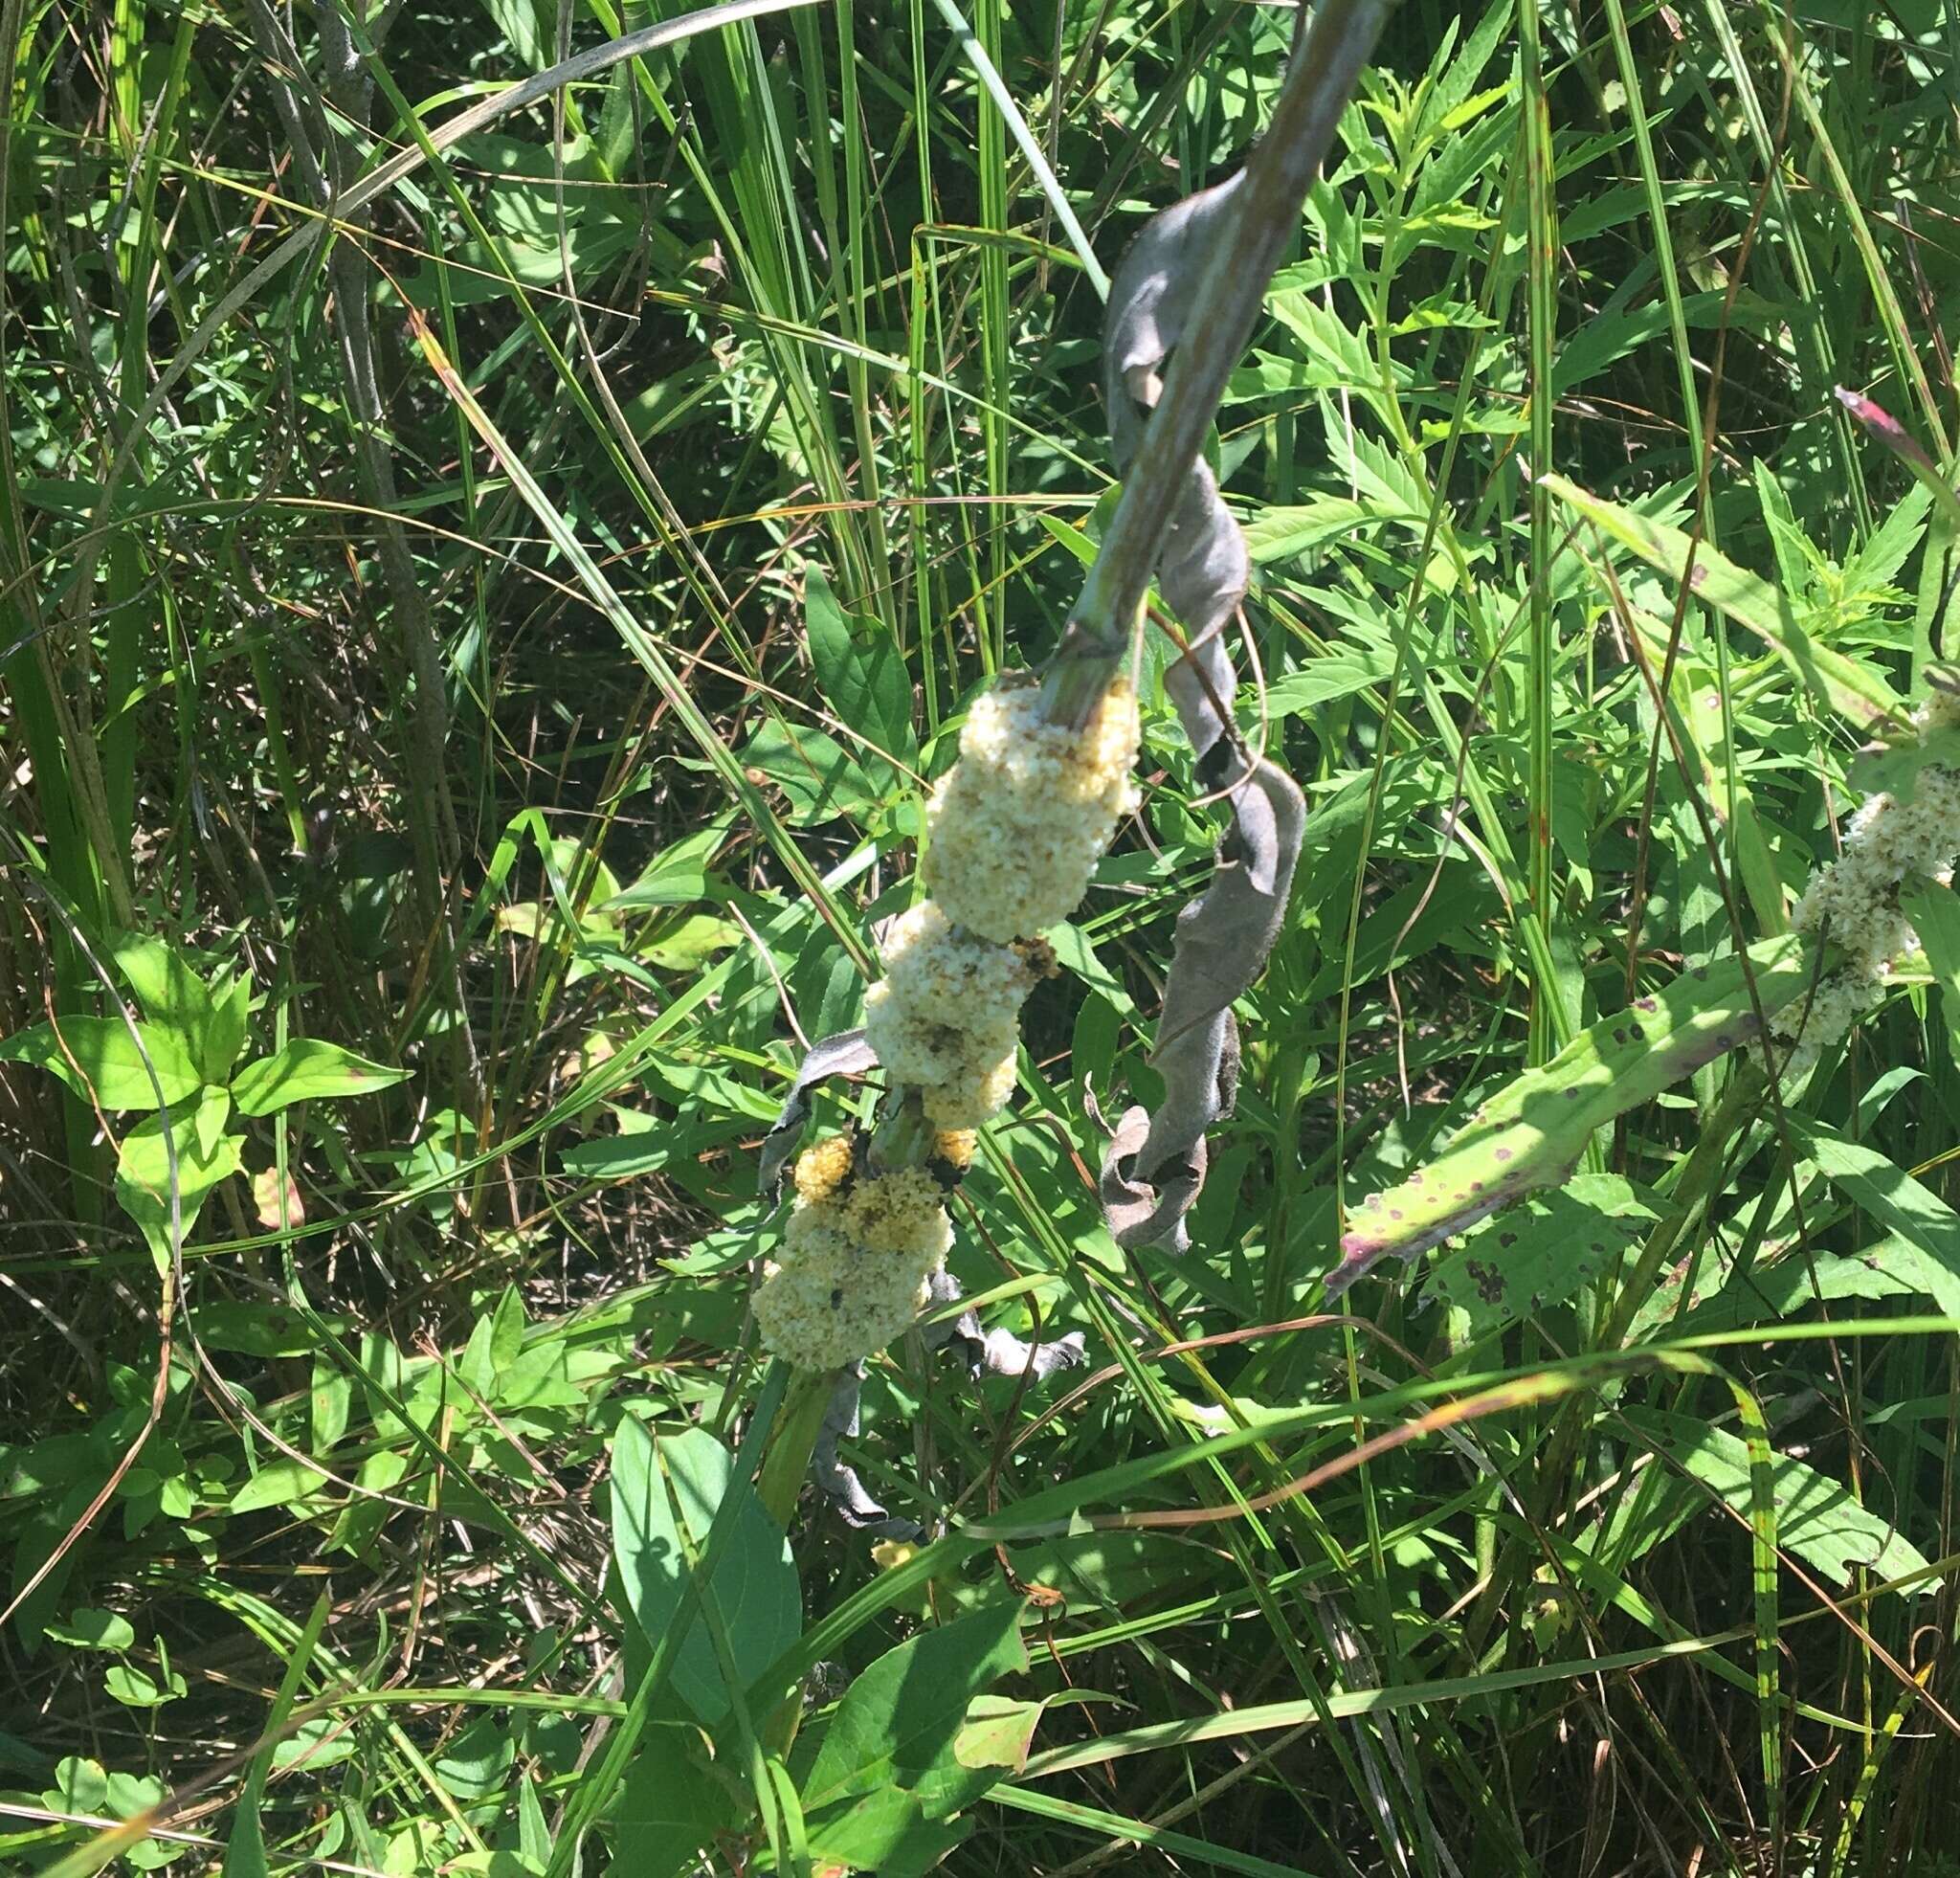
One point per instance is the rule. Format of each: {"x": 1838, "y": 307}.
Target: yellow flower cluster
{"x": 1853, "y": 904}
{"x": 1018, "y": 823}
{"x": 851, "y": 1271}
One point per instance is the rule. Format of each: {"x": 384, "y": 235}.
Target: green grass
{"x": 416, "y": 626}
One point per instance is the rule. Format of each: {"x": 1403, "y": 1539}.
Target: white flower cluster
{"x": 1853, "y": 904}
{"x": 853, "y": 1269}
{"x": 1019, "y": 821}
{"x": 1016, "y": 830}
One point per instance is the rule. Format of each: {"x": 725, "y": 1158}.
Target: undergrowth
{"x": 469, "y": 690}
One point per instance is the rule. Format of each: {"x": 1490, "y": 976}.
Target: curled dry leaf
{"x": 1154, "y": 1165}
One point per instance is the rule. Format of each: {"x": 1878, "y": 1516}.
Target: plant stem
{"x": 1265, "y": 218}
{"x": 797, "y": 1424}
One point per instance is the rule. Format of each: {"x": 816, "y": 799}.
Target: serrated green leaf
{"x": 1838, "y": 684}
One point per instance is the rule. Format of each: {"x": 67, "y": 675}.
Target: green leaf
{"x": 664, "y": 1497}
{"x": 136, "y": 1689}
{"x": 1817, "y": 1518}
{"x": 277, "y": 1484}
{"x": 897, "y": 1723}
{"x": 175, "y": 998}
{"x": 205, "y": 1155}
{"x": 637, "y": 1151}
{"x": 671, "y": 1803}
{"x": 89, "y": 1629}
{"x": 474, "y": 1764}
{"x": 1895, "y": 772}
{"x": 813, "y": 770}
{"x": 1336, "y": 675}
{"x": 1927, "y": 1224}
{"x": 1538, "y": 1254}
{"x": 861, "y": 675}
{"x": 676, "y": 877}
{"x": 308, "y": 1071}
{"x": 230, "y": 1004}
{"x": 108, "y": 1062}
{"x": 998, "y": 1732}
{"x": 1935, "y": 911}
{"x": 887, "y": 1833}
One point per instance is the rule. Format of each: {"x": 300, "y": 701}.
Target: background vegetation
{"x": 468, "y": 685}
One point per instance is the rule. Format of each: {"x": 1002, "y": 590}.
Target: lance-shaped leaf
{"x": 1856, "y": 692}
{"x": 1530, "y": 1133}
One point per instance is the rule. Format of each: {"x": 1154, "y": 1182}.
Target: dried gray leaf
{"x": 1155, "y": 1164}
{"x": 846, "y": 1053}
{"x": 839, "y": 1483}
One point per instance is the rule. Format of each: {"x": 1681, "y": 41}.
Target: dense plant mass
{"x": 497, "y": 578}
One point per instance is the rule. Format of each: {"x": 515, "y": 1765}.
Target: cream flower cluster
{"x": 1020, "y": 821}
{"x": 1016, "y": 830}
{"x": 851, "y": 1273}
{"x": 1853, "y": 904}
{"x": 946, "y": 1018}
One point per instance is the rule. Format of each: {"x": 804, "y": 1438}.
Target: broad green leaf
{"x": 677, "y": 876}
{"x": 203, "y": 1155}
{"x": 1539, "y": 1253}
{"x": 102, "y": 1061}
{"x": 671, "y": 1803}
{"x": 861, "y": 674}
{"x": 683, "y": 945}
{"x": 138, "y": 1688}
{"x": 507, "y": 1329}
{"x": 998, "y": 1732}
{"x": 898, "y": 1721}
{"x": 277, "y": 1484}
{"x": 637, "y": 1151}
{"x": 664, "y": 1498}
{"x": 259, "y": 1329}
{"x": 821, "y": 778}
{"x": 1925, "y": 1223}
{"x": 886, "y": 1832}
{"x": 1818, "y": 1521}
{"x": 308, "y": 1071}
{"x": 473, "y": 1766}
{"x": 89, "y": 1629}
{"x": 175, "y": 998}
{"x": 1895, "y": 772}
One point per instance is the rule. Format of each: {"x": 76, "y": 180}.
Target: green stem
{"x": 788, "y": 1460}
{"x": 1278, "y": 176}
